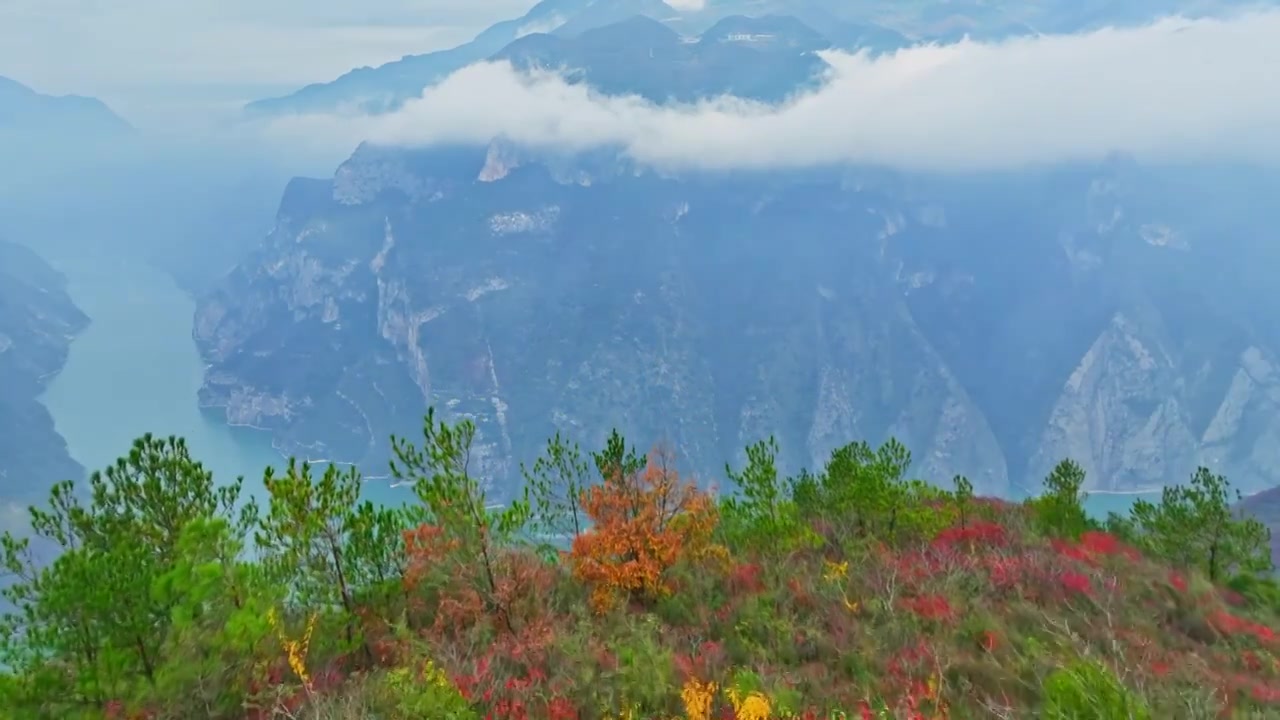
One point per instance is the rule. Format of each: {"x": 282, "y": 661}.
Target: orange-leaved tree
{"x": 645, "y": 520}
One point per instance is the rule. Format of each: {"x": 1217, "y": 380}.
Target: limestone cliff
{"x": 993, "y": 325}
{"x": 532, "y": 302}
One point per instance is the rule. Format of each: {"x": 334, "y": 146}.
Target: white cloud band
{"x": 1176, "y": 90}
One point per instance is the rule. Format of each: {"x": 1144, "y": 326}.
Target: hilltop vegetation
{"x": 616, "y": 588}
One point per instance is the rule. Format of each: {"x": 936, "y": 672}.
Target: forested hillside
{"x": 616, "y": 588}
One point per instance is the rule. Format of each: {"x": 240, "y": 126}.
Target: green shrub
{"x": 1059, "y": 512}
{"x": 431, "y": 695}
{"x": 1089, "y": 691}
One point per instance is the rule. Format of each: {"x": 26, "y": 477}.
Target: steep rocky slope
{"x": 664, "y": 308}
{"x": 37, "y": 323}
{"x": 1116, "y": 315}
{"x": 994, "y": 325}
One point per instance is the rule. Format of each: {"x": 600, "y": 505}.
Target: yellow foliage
{"x": 753, "y": 706}
{"x": 295, "y": 650}
{"x": 435, "y": 676}
{"x": 835, "y": 571}
{"x": 697, "y": 698}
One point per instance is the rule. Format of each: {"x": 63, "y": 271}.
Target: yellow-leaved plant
{"x": 295, "y": 650}
{"x": 749, "y": 706}
{"x": 428, "y": 693}
{"x": 698, "y": 698}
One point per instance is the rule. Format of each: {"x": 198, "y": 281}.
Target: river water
{"x": 136, "y": 369}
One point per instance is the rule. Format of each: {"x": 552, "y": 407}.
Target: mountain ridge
{"x": 25, "y": 110}
{"x": 443, "y": 276}
{"x": 880, "y": 26}
{"x": 641, "y": 56}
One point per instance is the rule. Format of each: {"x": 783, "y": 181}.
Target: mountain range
{"x": 995, "y": 323}
{"x": 877, "y": 26}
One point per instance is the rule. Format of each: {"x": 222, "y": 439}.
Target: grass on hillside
{"x": 853, "y": 593}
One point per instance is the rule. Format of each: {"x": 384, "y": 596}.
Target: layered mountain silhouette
{"x": 879, "y": 26}
{"x": 25, "y": 111}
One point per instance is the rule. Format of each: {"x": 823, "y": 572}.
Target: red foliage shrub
{"x": 801, "y": 597}
{"x": 745, "y": 579}
{"x": 930, "y": 607}
{"x": 1074, "y": 582}
{"x": 1231, "y": 625}
{"x": 1072, "y": 551}
{"x": 989, "y": 641}
{"x": 1007, "y": 572}
{"x": 1265, "y": 693}
{"x": 1101, "y": 543}
{"x": 425, "y": 546}
{"x": 561, "y": 709}
{"x": 910, "y": 660}
{"x": 973, "y": 536}
{"x": 1251, "y": 661}
{"x": 709, "y": 660}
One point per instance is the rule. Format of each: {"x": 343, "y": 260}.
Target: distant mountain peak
{"x": 807, "y": 24}
{"x": 637, "y": 29}
{"x": 642, "y": 56}
{"x": 783, "y": 30}
{"x": 9, "y": 87}
{"x": 386, "y": 87}
{"x": 24, "y": 109}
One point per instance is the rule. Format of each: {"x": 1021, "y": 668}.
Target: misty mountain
{"x": 994, "y": 323}
{"x": 388, "y": 86}
{"x": 37, "y": 324}
{"x": 551, "y": 27}
{"x": 763, "y": 59}
{"x": 25, "y": 112}
{"x": 879, "y": 26}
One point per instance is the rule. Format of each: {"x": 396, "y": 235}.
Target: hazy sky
{"x": 143, "y": 54}
{"x": 1176, "y": 89}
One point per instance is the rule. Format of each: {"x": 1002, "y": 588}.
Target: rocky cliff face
{"x": 994, "y": 326}
{"x": 37, "y": 323}
{"x": 529, "y": 303}
{"x": 1113, "y": 315}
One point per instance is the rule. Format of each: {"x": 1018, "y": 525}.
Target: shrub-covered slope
{"x": 615, "y": 588}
